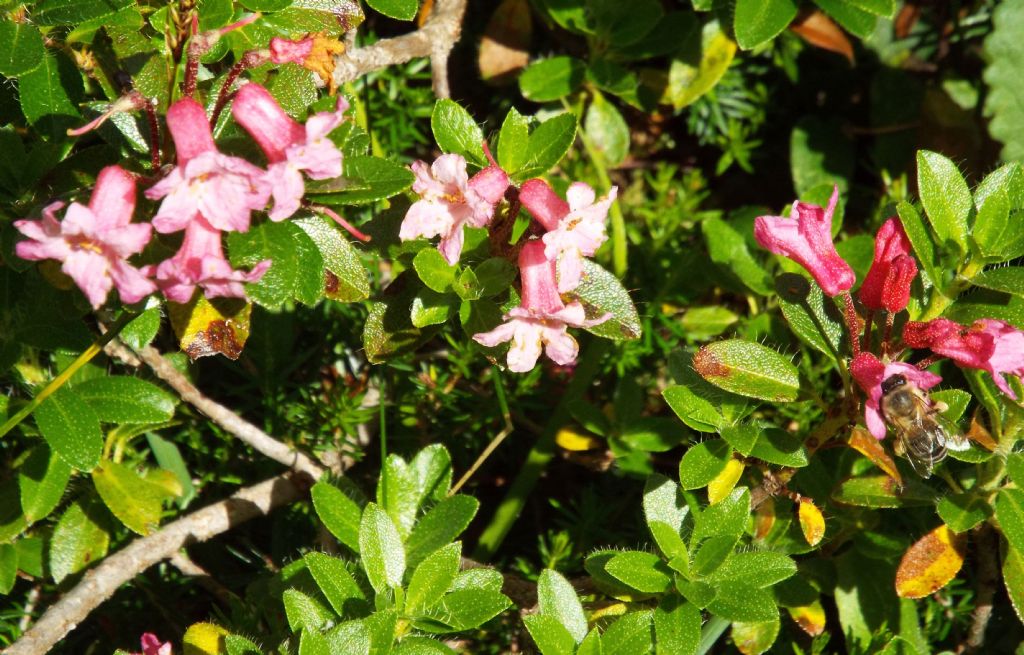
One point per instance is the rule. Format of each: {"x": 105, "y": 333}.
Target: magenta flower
{"x": 449, "y": 199}
{"x": 870, "y": 372}
{"x": 151, "y": 645}
{"x": 94, "y": 241}
{"x": 540, "y": 322}
{"x": 806, "y": 238}
{"x": 887, "y": 285}
{"x": 222, "y": 189}
{"x": 283, "y": 51}
{"x": 574, "y": 230}
{"x": 290, "y": 148}
{"x": 200, "y": 262}
{"x": 988, "y": 345}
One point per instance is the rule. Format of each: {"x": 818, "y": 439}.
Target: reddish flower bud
{"x": 887, "y": 285}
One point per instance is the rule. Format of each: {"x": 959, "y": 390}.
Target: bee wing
{"x": 954, "y": 439}
{"x": 922, "y": 468}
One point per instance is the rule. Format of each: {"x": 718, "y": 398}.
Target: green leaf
{"x": 336, "y": 583}
{"x": 136, "y": 502}
{"x": 1013, "y": 578}
{"x": 853, "y": 19}
{"x": 456, "y": 132}
{"x": 701, "y": 62}
{"x": 759, "y": 21}
{"x": 607, "y": 130}
{"x": 712, "y": 553}
{"x": 706, "y": 322}
{"x": 768, "y": 443}
{"x": 399, "y": 9}
{"x": 512, "y": 141}
{"x": 123, "y": 399}
{"x": 42, "y": 480}
{"x": 624, "y": 24}
{"x": 381, "y": 626}
{"x": 1010, "y": 514}
{"x": 664, "y": 502}
{"x": 728, "y": 517}
{"x": 695, "y": 411}
{"x": 480, "y": 578}
{"x": 312, "y": 642}
{"x": 547, "y": 145}
{"x": 349, "y": 638}
{"x": 642, "y": 571}
{"x": 677, "y": 626}
{"x": 440, "y": 526}
{"x": 549, "y": 635}
{"x": 431, "y": 308}
{"x": 142, "y": 329}
{"x": 602, "y": 293}
{"x": 882, "y": 491}
{"x": 339, "y": 513}
{"x": 70, "y": 12}
{"x": 388, "y": 331}
{"x": 432, "y": 578}
{"x": 50, "y": 94}
{"x": 755, "y": 637}
{"x": 422, "y": 646}
{"x": 748, "y": 369}
{"x": 556, "y": 598}
{"x": 380, "y": 547}
{"x": 945, "y": 196}
{"x": 815, "y": 323}
{"x": 956, "y": 400}
{"x": 71, "y": 428}
{"x": 552, "y": 78}
{"x": 304, "y": 612}
{"x": 631, "y": 634}
{"x": 21, "y": 48}
{"x": 703, "y": 462}
{"x": 8, "y": 568}
{"x": 296, "y": 271}
{"x": 469, "y": 608}
{"x": 494, "y": 275}
{"x": 591, "y": 644}
{"x": 820, "y": 155}
{"x": 920, "y": 238}
{"x": 434, "y": 270}
{"x": 1008, "y": 279}
{"x": 365, "y": 180}
{"x": 728, "y": 249}
{"x": 963, "y": 511}
{"x": 1015, "y": 468}
{"x": 345, "y": 276}
{"x": 397, "y": 493}
{"x": 737, "y": 601}
{"x": 758, "y": 568}
{"x": 1004, "y": 53}
{"x": 78, "y": 539}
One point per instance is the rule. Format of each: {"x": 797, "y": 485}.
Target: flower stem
{"x": 852, "y": 323}
{"x": 65, "y": 375}
{"x": 154, "y": 136}
{"x": 506, "y": 415}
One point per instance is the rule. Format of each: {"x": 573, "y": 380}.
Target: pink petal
{"x": 427, "y": 219}
{"x": 258, "y": 113}
{"x": 527, "y": 343}
{"x": 283, "y": 51}
{"x": 424, "y": 183}
{"x": 537, "y": 274}
{"x": 579, "y": 195}
{"x": 131, "y": 284}
{"x": 498, "y": 335}
{"x": 113, "y": 198}
{"x": 287, "y": 188}
{"x": 450, "y": 170}
{"x": 321, "y": 124}
{"x": 190, "y": 129}
{"x": 451, "y": 245}
{"x": 129, "y": 239}
{"x": 542, "y": 201}
{"x": 320, "y": 159}
{"x": 490, "y": 184}
{"x": 569, "y": 270}
{"x": 89, "y": 271}
{"x": 561, "y": 347}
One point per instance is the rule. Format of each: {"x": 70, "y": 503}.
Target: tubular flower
{"x": 449, "y": 199}
{"x": 151, "y": 645}
{"x": 870, "y": 372}
{"x": 94, "y": 241}
{"x": 887, "y": 285}
{"x": 222, "y": 189}
{"x": 540, "y": 322}
{"x": 200, "y": 262}
{"x": 290, "y": 148}
{"x": 806, "y": 238}
{"x": 575, "y": 229}
{"x": 988, "y": 345}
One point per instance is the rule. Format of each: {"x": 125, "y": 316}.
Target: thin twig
{"x": 101, "y": 582}
{"x": 987, "y": 551}
{"x": 496, "y": 441}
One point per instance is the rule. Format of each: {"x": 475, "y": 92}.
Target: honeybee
{"x": 924, "y": 436}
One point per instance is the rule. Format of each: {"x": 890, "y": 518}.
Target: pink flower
{"x": 224, "y": 190}
{"x": 988, "y": 345}
{"x": 540, "y": 322}
{"x": 806, "y": 238}
{"x": 200, "y": 262}
{"x": 94, "y": 241}
{"x": 887, "y": 285}
{"x": 449, "y": 200}
{"x": 290, "y": 148}
{"x": 284, "y": 51}
{"x": 574, "y": 230}
{"x": 870, "y": 373}
{"x": 151, "y": 645}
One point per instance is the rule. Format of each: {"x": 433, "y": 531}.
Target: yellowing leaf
{"x": 764, "y": 518}
{"x": 570, "y": 439}
{"x": 754, "y": 638}
{"x": 980, "y": 435}
{"x": 210, "y": 327}
{"x": 134, "y": 501}
{"x": 810, "y": 618}
{"x": 205, "y": 639}
{"x": 930, "y": 563}
{"x": 865, "y": 444}
{"x": 811, "y": 522}
{"x": 699, "y": 66}
{"x": 725, "y": 481}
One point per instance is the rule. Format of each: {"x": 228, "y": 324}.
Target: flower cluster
{"x": 205, "y": 195}
{"x": 550, "y": 260}
{"x": 988, "y": 345}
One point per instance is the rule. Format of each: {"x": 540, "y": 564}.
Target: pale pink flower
{"x": 806, "y": 238}
{"x": 200, "y": 262}
{"x": 94, "y": 241}
{"x": 449, "y": 200}
{"x": 291, "y": 148}
{"x": 870, "y": 373}
{"x": 574, "y": 230}
{"x": 283, "y": 51}
{"x": 988, "y": 345}
{"x": 539, "y": 324}
{"x": 151, "y": 645}
{"x": 222, "y": 189}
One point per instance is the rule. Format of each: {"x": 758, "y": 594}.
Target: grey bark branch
{"x": 101, "y": 582}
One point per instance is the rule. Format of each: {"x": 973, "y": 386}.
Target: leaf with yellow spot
{"x": 725, "y": 481}
{"x": 572, "y": 440}
{"x": 205, "y": 639}
{"x": 865, "y": 444}
{"x": 810, "y": 618}
{"x": 702, "y": 60}
{"x": 930, "y": 563}
{"x": 755, "y": 638}
{"x": 210, "y": 327}
{"x": 764, "y": 518}
{"x": 812, "y": 522}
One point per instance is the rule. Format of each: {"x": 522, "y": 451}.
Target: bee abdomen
{"x": 926, "y": 450}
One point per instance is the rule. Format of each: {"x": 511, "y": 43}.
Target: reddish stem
{"x": 890, "y": 318}
{"x": 154, "y": 136}
{"x": 852, "y": 322}
{"x": 191, "y": 62}
{"x": 249, "y": 60}
{"x": 348, "y": 227}
{"x": 928, "y": 361}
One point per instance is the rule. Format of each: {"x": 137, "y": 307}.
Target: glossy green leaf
{"x": 42, "y": 480}
{"x": 550, "y": 636}
{"x": 21, "y": 48}
{"x": 946, "y": 198}
{"x": 433, "y": 577}
{"x": 49, "y": 96}
{"x": 813, "y": 319}
{"x": 547, "y": 145}
{"x": 350, "y": 638}
{"x": 512, "y": 141}
{"x": 755, "y": 637}
{"x": 1008, "y": 279}
{"x": 339, "y": 513}
{"x": 380, "y": 547}
{"x": 8, "y": 568}
{"x": 365, "y": 180}
{"x": 677, "y": 625}
{"x": 607, "y": 130}
{"x": 123, "y": 399}
{"x": 556, "y": 598}
{"x": 642, "y": 571}
{"x": 399, "y": 9}
{"x": 433, "y": 270}
{"x": 712, "y": 553}
{"x": 304, "y": 612}
{"x": 70, "y": 12}
{"x": 336, "y": 583}
{"x": 921, "y": 240}
{"x": 135, "y": 501}
{"x": 748, "y": 369}
{"x": 857, "y": 21}
{"x": 601, "y": 293}
{"x": 1013, "y": 578}
{"x": 465, "y": 609}
{"x": 728, "y": 517}
{"x": 345, "y": 277}
{"x": 738, "y": 601}
{"x": 961, "y": 512}
{"x": 71, "y": 428}
{"x": 702, "y": 462}
{"x": 79, "y": 539}
{"x": 728, "y": 248}
{"x": 397, "y": 493}
{"x": 663, "y": 501}
{"x": 699, "y": 64}
{"x": 1005, "y": 56}
{"x": 767, "y": 443}
{"x": 631, "y": 634}
{"x": 759, "y": 21}
{"x": 1010, "y": 514}
{"x": 552, "y": 78}
{"x": 882, "y": 491}
{"x": 456, "y": 132}
{"x": 296, "y": 271}
{"x": 695, "y": 411}
{"x": 142, "y": 329}
{"x": 440, "y": 526}
{"x": 422, "y": 646}
{"x": 758, "y": 568}
{"x": 432, "y": 472}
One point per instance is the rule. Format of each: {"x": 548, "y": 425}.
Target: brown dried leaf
{"x": 504, "y": 49}
{"x": 210, "y": 327}
{"x": 930, "y": 563}
{"x": 810, "y": 618}
{"x": 818, "y": 29}
{"x": 764, "y": 518}
{"x": 865, "y": 444}
{"x": 979, "y": 434}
